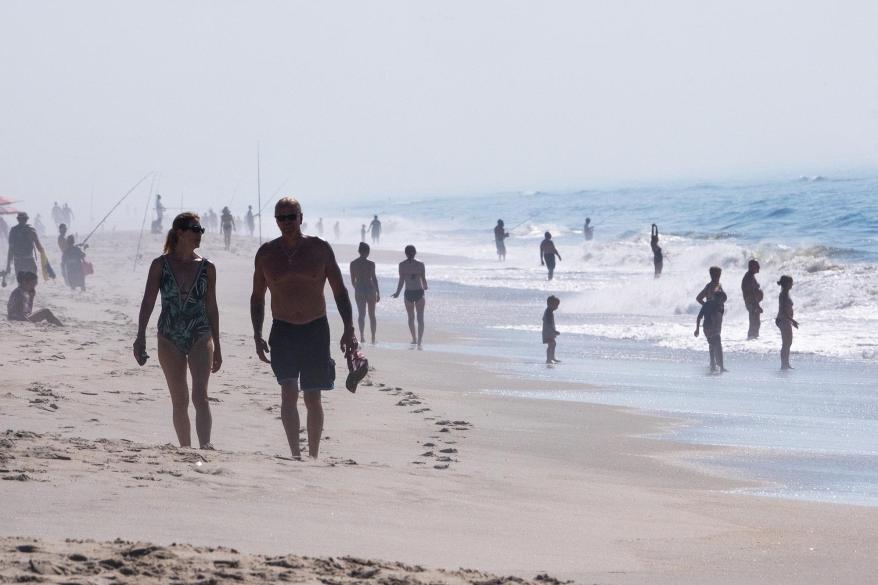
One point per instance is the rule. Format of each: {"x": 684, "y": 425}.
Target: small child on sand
{"x": 549, "y": 331}
{"x": 21, "y": 302}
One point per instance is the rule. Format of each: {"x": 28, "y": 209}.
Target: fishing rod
{"x": 143, "y": 223}
{"x": 533, "y": 215}
{"x": 118, "y": 203}
{"x": 273, "y": 195}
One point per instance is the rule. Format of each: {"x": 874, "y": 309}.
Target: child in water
{"x": 712, "y": 312}
{"x": 549, "y": 331}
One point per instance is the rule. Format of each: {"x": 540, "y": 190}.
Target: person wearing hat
{"x": 23, "y": 240}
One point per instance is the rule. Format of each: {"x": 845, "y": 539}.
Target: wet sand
{"x": 419, "y": 467}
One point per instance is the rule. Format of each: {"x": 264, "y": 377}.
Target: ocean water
{"x": 811, "y": 433}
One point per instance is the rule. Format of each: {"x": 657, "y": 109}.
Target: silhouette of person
{"x": 363, "y": 233}
{"x": 548, "y": 251}
{"x": 588, "y": 230}
{"x": 500, "y": 235}
{"x": 752, "y": 297}
{"x": 366, "y": 292}
{"x": 658, "y": 258}
{"x": 375, "y": 228}
{"x": 785, "y": 321}
{"x": 248, "y": 219}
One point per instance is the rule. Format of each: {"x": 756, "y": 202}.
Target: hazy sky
{"x": 375, "y": 99}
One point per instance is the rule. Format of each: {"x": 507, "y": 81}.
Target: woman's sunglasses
{"x": 195, "y": 228}
{"x": 287, "y": 217}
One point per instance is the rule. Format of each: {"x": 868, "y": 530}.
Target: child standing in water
{"x": 549, "y": 331}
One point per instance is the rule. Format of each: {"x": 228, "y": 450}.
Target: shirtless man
{"x": 23, "y": 239}
{"x": 295, "y": 268}
{"x": 752, "y": 297}
{"x": 500, "y": 235}
{"x": 412, "y": 274}
{"x": 375, "y": 228}
{"x": 548, "y": 251}
{"x": 366, "y": 292}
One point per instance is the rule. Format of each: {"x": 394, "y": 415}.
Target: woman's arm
{"x": 374, "y": 278}
{"x": 213, "y": 317}
{"x": 399, "y": 284}
{"x": 146, "y": 306}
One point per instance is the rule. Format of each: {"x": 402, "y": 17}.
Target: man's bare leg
{"x": 410, "y": 309}
{"x": 200, "y": 362}
{"x": 289, "y": 415}
{"x": 373, "y": 323}
{"x": 420, "y": 308}
{"x": 173, "y": 364}
{"x": 315, "y": 421}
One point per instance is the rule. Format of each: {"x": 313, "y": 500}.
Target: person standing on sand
{"x": 413, "y": 275}
{"x": 658, "y": 259}
{"x": 248, "y": 219}
{"x": 23, "y": 240}
{"x": 785, "y": 321}
{"x": 366, "y": 292}
{"x": 500, "y": 235}
{"x": 188, "y": 327}
{"x": 549, "y": 331}
{"x": 548, "y": 251}
{"x": 336, "y": 230}
{"x": 752, "y": 297}
{"x": 295, "y": 268}
{"x": 363, "y": 234}
{"x": 227, "y": 224}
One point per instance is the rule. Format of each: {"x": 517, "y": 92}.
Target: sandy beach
{"x": 420, "y": 468}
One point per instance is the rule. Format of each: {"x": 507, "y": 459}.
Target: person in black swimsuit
{"x": 412, "y": 275}
{"x": 658, "y": 259}
{"x": 366, "y": 292}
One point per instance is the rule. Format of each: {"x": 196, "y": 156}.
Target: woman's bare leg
{"x": 419, "y": 305}
{"x": 200, "y": 362}
{"x": 45, "y": 315}
{"x": 361, "y": 314}
{"x": 410, "y": 309}
{"x": 373, "y": 323}
{"x": 173, "y": 363}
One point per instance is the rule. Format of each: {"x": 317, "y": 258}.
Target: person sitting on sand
{"x": 366, "y": 292}
{"x": 188, "y": 327}
{"x": 658, "y": 259}
{"x": 785, "y": 321}
{"x": 412, "y": 274}
{"x": 295, "y": 269}
{"x": 548, "y": 251}
{"x": 549, "y": 331}
{"x": 20, "y": 306}
{"x": 712, "y": 313}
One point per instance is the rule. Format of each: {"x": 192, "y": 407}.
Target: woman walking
{"x": 188, "y": 327}
{"x": 366, "y": 291}
{"x": 785, "y": 321}
{"x": 412, "y": 274}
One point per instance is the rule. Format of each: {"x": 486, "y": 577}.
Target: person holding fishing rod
{"x": 188, "y": 326}
{"x": 500, "y": 235}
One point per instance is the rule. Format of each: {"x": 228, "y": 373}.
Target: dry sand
{"x": 419, "y": 467}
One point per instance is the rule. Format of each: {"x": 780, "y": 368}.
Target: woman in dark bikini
{"x": 412, "y": 274}
{"x": 188, "y": 327}
{"x": 366, "y": 291}
{"x": 785, "y": 321}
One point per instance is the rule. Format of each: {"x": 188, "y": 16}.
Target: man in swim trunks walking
{"x": 23, "y": 239}
{"x": 548, "y": 251}
{"x": 295, "y": 268}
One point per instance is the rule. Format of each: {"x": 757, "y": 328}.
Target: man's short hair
{"x": 552, "y": 299}
{"x": 715, "y": 271}
{"x": 287, "y": 202}
{"x": 753, "y": 263}
{"x": 364, "y": 248}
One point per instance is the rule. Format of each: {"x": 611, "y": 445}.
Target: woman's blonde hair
{"x": 181, "y": 222}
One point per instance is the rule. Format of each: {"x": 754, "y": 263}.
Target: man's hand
{"x": 217, "y": 360}
{"x": 262, "y": 349}
{"x": 348, "y": 340}
{"x": 696, "y": 332}
{"x": 395, "y": 295}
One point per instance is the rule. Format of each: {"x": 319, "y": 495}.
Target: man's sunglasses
{"x": 287, "y": 217}
{"x": 195, "y": 228}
